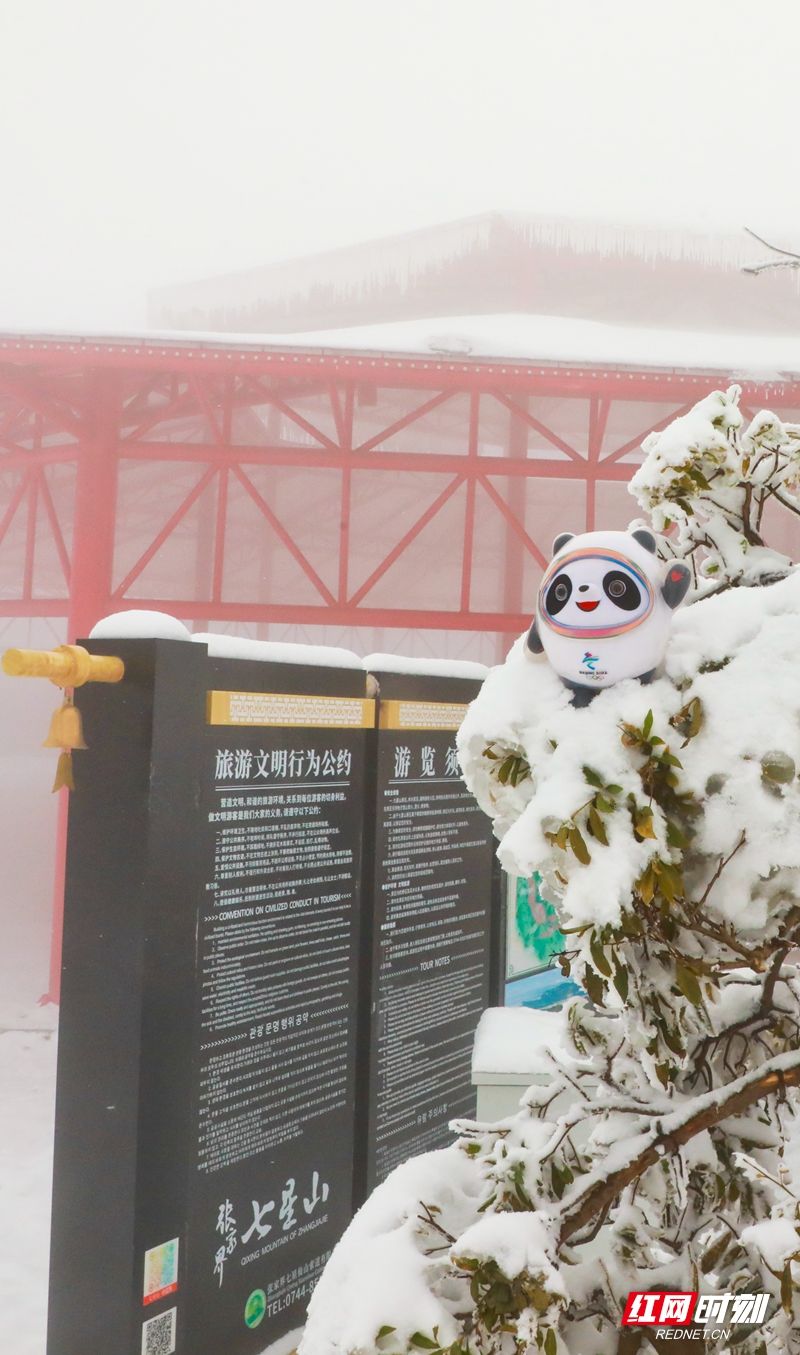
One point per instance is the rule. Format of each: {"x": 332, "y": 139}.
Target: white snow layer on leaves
{"x": 755, "y": 634}
{"x": 379, "y": 1274}
{"x": 711, "y": 441}
{"x": 517, "y": 1242}
{"x": 774, "y": 1240}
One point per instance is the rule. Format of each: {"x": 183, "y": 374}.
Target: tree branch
{"x": 788, "y": 259}
{"x": 675, "y": 1131}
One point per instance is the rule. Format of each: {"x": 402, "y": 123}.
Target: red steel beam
{"x": 14, "y": 502}
{"x": 405, "y": 541}
{"x": 335, "y": 615}
{"x": 469, "y": 512}
{"x": 411, "y": 416}
{"x": 55, "y": 527}
{"x": 278, "y": 527}
{"x": 552, "y": 378}
{"x": 30, "y": 534}
{"x": 514, "y": 522}
{"x": 633, "y": 443}
{"x": 219, "y": 535}
{"x": 166, "y": 531}
{"x": 309, "y": 458}
{"x": 539, "y": 427}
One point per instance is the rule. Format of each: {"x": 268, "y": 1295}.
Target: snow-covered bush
{"x": 664, "y": 821}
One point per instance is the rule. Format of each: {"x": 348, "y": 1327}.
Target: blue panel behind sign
{"x": 533, "y": 979}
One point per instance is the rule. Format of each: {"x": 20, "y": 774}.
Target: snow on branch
{"x": 674, "y": 1131}
{"x": 706, "y": 481}
{"x": 662, "y": 823}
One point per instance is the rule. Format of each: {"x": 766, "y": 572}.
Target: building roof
{"x": 465, "y": 342}
{"x": 501, "y": 263}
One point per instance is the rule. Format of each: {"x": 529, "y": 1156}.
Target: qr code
{"x": 158, "y": 1335}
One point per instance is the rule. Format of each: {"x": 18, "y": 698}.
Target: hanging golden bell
{"x": 66, "y": 727}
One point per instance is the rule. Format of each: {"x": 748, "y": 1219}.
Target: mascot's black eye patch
{"x": 622, "y": 590}
{"x": 558, "y": 594}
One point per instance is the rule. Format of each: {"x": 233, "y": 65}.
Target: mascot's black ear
{"x": 561, "y": 540}
{"x": 645, "y": 539}
{"x": 676, "y": 585}
{"x": 534, "y": 643}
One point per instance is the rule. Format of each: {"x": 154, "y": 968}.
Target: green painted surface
{"x": 536, "y": 923}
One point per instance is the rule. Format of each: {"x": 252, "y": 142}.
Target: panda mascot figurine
{"x": 604, "y": 609}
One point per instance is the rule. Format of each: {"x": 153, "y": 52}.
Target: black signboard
{"x": 205, "y": 1109}
{"x": 435, "y": 923}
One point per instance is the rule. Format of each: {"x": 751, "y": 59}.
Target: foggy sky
{"x": 149, "y": 141}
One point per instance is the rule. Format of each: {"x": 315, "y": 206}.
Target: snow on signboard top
{"x": 276, "y": 651}
{"x": 403, "y": 663}
{"x": 516, "y": 1040}
{"x": 139, "y": 624}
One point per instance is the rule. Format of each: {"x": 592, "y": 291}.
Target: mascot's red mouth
{"x": 588, "y": 606}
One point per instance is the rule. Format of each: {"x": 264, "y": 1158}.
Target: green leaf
{"x": 505, "y": 770}
{"x": 600, "y": 959}
{"x": 613, "y": 790}
{"x": 671, "y": 1039}
{"x": 675, "y": 837}
{"x": 669, "y": 759}
{"x": 787, "y": 1288}
{"x": 713, "y": 1255}
{"x": 605, "y": 805}
{"x": 593, "y": 778}
{"x": 597, "y": 826}
{"x": 687, "y": 982}
{"x": 384, "y": 1331}
{"x": 643, "y": 823}
{"x": 670, "y": 881}
{"x": 648, "y": 724}
{"x": 578, "y": 844}
{"x": 422, "y": 1342}
{"x": 621, "y": 980}
{"x": 646, "y": 885}
{"x": 594, "y": 986}
{"x": 550, "y": 1344}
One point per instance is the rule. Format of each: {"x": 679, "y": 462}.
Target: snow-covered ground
{"x": 27, "y": 1107}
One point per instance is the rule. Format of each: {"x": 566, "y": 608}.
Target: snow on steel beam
{"x": 618, "y": 381}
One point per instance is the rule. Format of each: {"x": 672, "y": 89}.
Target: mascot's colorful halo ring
{"x": 607, "y": 558}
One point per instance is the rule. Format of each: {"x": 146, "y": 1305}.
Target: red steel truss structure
{"x": 307, "y": 494}
{"x": 288, "y": 487}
